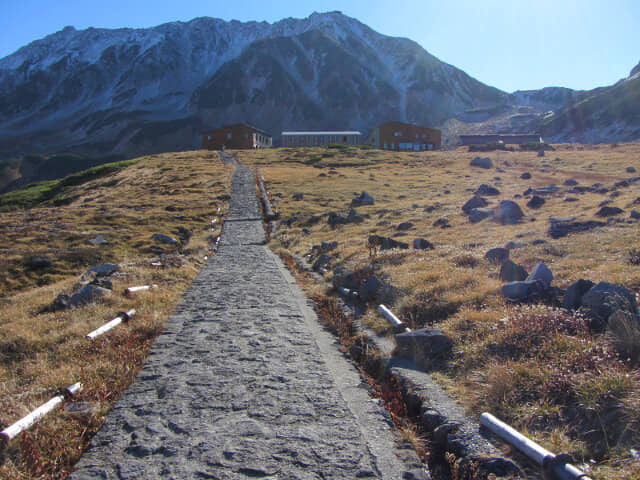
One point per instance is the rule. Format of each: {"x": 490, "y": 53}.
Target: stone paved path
{"x": 243, "y": 383}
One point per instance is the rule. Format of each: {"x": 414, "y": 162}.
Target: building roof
{"x": 323, "y": 133}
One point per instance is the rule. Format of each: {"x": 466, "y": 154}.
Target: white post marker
{"x": 122, "y": 317}
{"x": 555, "y": 465}
{"x": 393, "y": 320}
{"x": 141, "y": 288}
{"x": 21, "y": 425}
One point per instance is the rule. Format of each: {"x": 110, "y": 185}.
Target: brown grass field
{"x": 43, "y": 351}
{"x": 536, "y": 366}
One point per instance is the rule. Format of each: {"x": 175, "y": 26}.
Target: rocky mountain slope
{"x": 134, "y": 91}
{"x": 128, "y": 92}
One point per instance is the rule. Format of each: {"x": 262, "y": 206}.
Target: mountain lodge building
{"x": 404, "y": 136}
{"x": 238, "y": 136}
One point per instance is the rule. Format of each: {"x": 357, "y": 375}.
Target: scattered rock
{"x": 507, "y": 213}
{"x": 103, "y": 270}
{"x": 631, "y": 170}
{"x": 561, "y": 226}
{"x": 337, "y": 219}
{"x": 88, "y": 294}
{"x": 525, "y": 176}
{"x": 511, "y": 245}
{"x": 541, "y": 153}
{"x": 482, "y": 162}
{"x": 570, "y": 182}
{"x": 541, "y": 273}
{"x": 497, "y": 256}
{"x": 478, "y": 214}
{"x": 635, "y": 214}
{"x": 369, "y": 290}
{"x": 573, "y": 296}
{"x": 442, "y": 222}
{"x": 422, "y": 244}
{"x": 324, "y": 247}
{"x": 607, "y": 211}
{"x": 570, "y": 199}
{"x": 423, "y": 346}
{"x": 474, "y": 202}
{"x": 386, "y": 243}
{"x": 522, "y": 291}
{"x": 38, "y": 263}
{"x": 404, "y": 226}
{"x": 486, "y": 190}
{"x": 510, "y": 271}
{"x": 98, "y": 240}
{"x": 298, "y": 196}
{"x": 323, "y": 261}
{"x": 162, "y": 238}
{"x": 344, "y": 277}
{"x": 535, "y": 202}
{"x": 603, "y": 300}
{"x": 548, "y": 190}
{"x": 363, "y": 199}
{"x": 621, "y": 184}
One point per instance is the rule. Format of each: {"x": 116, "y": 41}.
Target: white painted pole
{"x": 141, "y": 288}
{"x": 25, "y": 422}
{"x": 393, "y": 320}
{"x": 122, "y": 317}
{"x": 555, "y": 465}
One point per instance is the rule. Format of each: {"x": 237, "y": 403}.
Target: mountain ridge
{"x": 130, "y": 92}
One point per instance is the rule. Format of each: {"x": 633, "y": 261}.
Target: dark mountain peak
{"x": 635, "y": 70}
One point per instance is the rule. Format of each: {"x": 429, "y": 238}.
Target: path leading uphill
{"x": 244, "y": 383}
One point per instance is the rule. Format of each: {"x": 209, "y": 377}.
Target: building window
{"x": 385, "y": 146}
{"x": 246, "y": 135}
{"x": 417, "y": 135}
{"x": 424, "y": 135}
{"x": 397, "y": 134}
{"x": 229, "y": 136}
{"x": 208, "y": 137}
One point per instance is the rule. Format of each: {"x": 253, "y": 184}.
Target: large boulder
{"x": 482, "y": 162}
{"x": 573, "y": 295}
{"x": 497, "y": 256}
{"x": 363, "y": 199}
{"x": 522, "y": 291}
{"x": 88, "y": 294}
{"x": 423, "y": 346}
{"x": 562, "y": 226}
{"x": 385, "y": 243}
{"x": 422, "y": 244}
{"x": 344, "y": 277}
{"x": 510, "y": 271}
{"x": 486, "y": 190}
{"x": 369, "y": 290}
{"x": 507, "y": 213}
{"x": 608, "y": 211}
{"x": 603, "y": 300}
{"x": 478, "y": 214}
{"x": 474, "y": 202}
{"x": 542, "y": 274}
{"x": 535, "y": 202}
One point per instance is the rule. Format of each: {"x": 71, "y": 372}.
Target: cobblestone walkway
{"x": 243, "y": 383}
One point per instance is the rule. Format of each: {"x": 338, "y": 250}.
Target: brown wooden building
{"x": 319, "y": 139}
{"x": 404, "y": 136}
{"x": 239, "y": 136}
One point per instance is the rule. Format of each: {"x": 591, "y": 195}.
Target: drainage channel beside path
{"x": 244, "y": 382}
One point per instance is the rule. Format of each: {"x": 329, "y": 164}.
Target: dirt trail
{"x": 244, "y": 383}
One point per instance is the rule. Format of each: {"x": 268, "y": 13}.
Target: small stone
{"x": 631, "y": 170}
{"x": 535, "y": 202}
{"x": 88, "y": 294}
{"x": 607, "y": 211}
{"x": 474, "y": 202}
{"x": 363, "y": 199}
{"x": 487, "y": 190}
{"x": 405, "y": 226}
{"x": 573, "y": 296}
{"x": 512, "y": 272}
{"x": 525, "y": 176}
{"x": 423, "y": 346}
{"x": 497, "y": 256}
{"x": 103, "y": 270}
{"x": 570, "y": 182}
{"x": 482, "y": 162}
{"x": 422, "y": 244}
{"x": 98, "y": 240}
{"x": 162, "y": 238}
{"x": 298, "y": 196}
{"x": 478, "y": 214}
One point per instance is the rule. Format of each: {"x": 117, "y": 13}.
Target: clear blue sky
{"x": 511, "y": 45}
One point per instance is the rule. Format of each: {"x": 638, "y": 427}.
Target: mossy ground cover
{"x": 41, "y": 351}
{"x": 536, "y": 366}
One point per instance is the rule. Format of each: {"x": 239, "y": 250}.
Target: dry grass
{"x": 537, "y": 367}
{"x": 41, "y": 352}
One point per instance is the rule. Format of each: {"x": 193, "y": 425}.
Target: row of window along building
{"x": 388, "y": 136}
